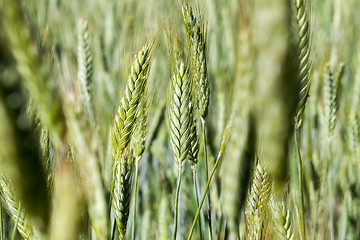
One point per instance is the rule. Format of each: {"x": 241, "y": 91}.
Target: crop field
{"x": 180, "y": 119}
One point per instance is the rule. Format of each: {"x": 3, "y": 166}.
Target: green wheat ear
{"x": 85, "y": 67}
{"x": 122, "y": 191}
{"x": 304, "y": 48}
{"x": 124, "y": 121}
{"x": 194, "y": 140}
{"x": 13, "y": 208}
{"x": 179, "y": 114}
{"x": 258, "y": 200}
{"x": 138, "y": 140}
{"x": 196, "y": 32}
{"x": 282, "y": 219}
{"x": 123, "y": 131}
{"x": 331, "y": 97}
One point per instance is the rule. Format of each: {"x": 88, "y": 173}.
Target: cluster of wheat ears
{"x": 234, "y": 120}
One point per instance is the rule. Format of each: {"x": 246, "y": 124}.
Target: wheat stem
{"x": 1, "y": 223}
{"x": 176, "y": 215}
{"x": 204, "y": 195}
{"x": 225, "y": 138}
{"x": 135, "y": 198}
{"x": 196, "y": 192}
{"x": 300, "y": 182}
{"x": 16, "y": 224}
{"x": 207, "y": 176}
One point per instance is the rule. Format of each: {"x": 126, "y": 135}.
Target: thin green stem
{"x": 207, "y": 177}
{"x": 300, "y": 182}
{"x": 177, "y": 203}
{"x": 204, "y": 195}
{"x": 196, "y": 191}
{"x": 328, "y": 179}
{"x": 16, "y": 223}
{"x": 135, "y": 198}
{"x": 1, "y": 223}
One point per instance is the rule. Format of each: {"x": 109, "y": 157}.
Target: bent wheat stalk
{"x": 225, "y": 139}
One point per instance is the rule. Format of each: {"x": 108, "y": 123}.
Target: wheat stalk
{"x": 225, "y": 138}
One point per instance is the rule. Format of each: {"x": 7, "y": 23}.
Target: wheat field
{"x": 179, "y": 119}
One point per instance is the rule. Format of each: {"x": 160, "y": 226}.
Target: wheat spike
{"x": 196, "y": 32}
{"x": 331, "y": 97}
{"x": 12, "y": 206}
{"x": 122, "y": 191}
{"x": 258, "y": 199}
{"x": 48, "y": 158}
{"x": 304, "y": 48}
{"x": 124, "y": 126}
{"x": 194, "y": 140}
{"x": 179, "y": 114}
{"x": 139, "y": 136}
{"x": 330, "y": 101}
{"x": 125, "y": 119}
{"x": 85, "y": 66}
{"x": 282, "y": 220}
